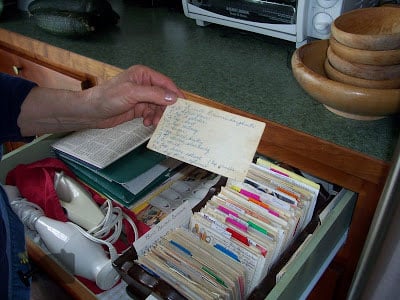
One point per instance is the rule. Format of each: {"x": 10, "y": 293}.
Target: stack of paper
{"x": 115, "y": 162}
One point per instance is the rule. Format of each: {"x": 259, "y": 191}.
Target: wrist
{"x": 49, "y": 110}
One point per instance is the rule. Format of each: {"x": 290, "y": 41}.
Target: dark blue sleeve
{"x": 13, "y": 91}
{"x": 4, "y": 264}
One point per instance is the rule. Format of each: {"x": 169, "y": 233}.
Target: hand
{"x": 136, "y": 92}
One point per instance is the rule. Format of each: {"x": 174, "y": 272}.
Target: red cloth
{"x": 35, "y": 182}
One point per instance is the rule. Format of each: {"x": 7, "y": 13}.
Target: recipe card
{"x": 212, "y": 139}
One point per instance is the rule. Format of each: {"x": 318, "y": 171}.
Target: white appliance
{"x": 294, "y": 20}
{"x": 65, "y": 241}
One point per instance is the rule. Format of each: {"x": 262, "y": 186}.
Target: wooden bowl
{"x": 370, "y": 72}
{"x": 343, "y": 99}
{"x": 367, "y": 57}
{"x": 336, "y": 75}
{"x": 372, "y": 28}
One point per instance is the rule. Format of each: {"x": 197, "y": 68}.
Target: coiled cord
{"x": 110, "y": 227}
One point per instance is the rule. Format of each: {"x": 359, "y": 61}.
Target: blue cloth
{"x": 13, "y": 91}
{"x": 13, "y": 255}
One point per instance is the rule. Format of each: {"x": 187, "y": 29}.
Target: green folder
{"x": 109, "y": 181}
{"x": 132, "y": 164}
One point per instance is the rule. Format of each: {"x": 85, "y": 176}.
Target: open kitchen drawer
{"x": 311, "y": 257}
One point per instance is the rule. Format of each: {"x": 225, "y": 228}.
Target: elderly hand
{"x": 138, "y": 92}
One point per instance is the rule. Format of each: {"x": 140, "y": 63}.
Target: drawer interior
{"x": 299, "y": 267}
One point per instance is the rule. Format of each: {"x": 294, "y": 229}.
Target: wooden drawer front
{"x": 302, "y": 273}
{"x": 44, "y": 76}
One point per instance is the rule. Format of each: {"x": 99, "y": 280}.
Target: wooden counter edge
{"x": 57, "y": 57}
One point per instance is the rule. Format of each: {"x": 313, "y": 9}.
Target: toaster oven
{"x": 294, "y": 20}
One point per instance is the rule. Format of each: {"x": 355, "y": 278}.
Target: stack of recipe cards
{"x": 207, "y": 138}
{"x": 225, "y": 249}
{"x": 195, "y": 269}
{"x": 248, "y": 223}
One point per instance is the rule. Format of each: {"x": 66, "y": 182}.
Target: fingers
{"x": 137, "y": 92}
{"x": 143, "y": 75}
{"x": 152, "y": 95}
{"x": 152, "y": 114}
{"x": 148, "y": 114}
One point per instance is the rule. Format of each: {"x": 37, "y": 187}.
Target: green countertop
{"x": 244, "y": 70}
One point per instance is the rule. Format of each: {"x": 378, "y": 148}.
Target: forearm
{"x": 50, "y": 110}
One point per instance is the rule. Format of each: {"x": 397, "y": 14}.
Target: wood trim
{"x": 43, "y": 74}
{"x": 349, "y": 255}
{"x": 57, "y": 57}
{"x": 328, "y": 283}
{"x": 66, "y": 280}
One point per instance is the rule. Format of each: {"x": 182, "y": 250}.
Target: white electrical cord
{"x": 108, "y": 231}
{"x": 106, "y": 222}
{"x": 110, "y": 227}
{"x": 111, "y": 249}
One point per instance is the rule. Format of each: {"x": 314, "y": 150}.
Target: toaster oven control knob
{"x": 322, "y": 23}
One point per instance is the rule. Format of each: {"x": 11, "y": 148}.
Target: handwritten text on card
{"x": 209, "y": 138}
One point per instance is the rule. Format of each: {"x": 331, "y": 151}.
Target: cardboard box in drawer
{"x": 233, "y": 214}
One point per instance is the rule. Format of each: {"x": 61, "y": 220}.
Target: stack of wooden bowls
{"x": 356, "y": 73}
{"x": 364, "y": 48}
